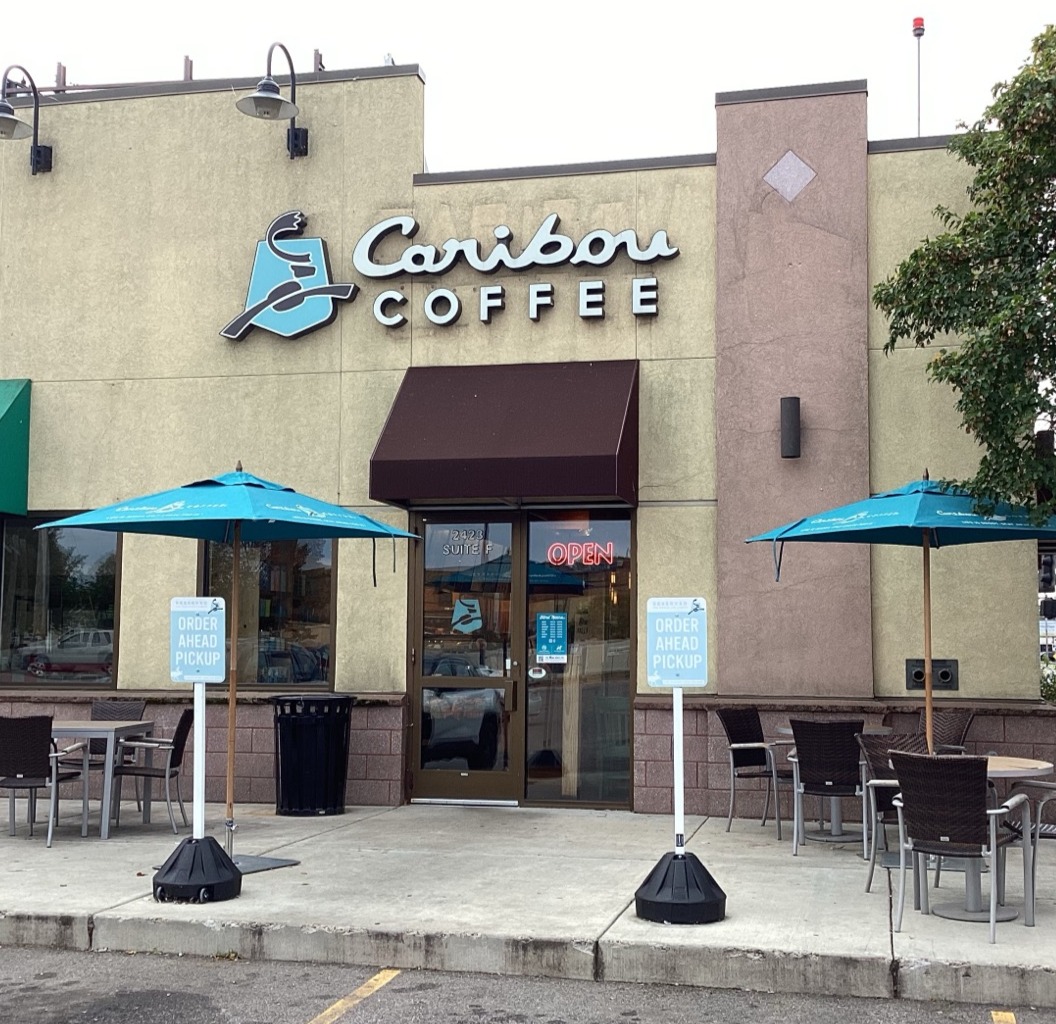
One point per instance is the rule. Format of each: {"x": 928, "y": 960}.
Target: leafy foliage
{"x": 990, "y": 280}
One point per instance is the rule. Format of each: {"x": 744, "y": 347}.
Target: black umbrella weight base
{"x": 198, "y": 871}
{"x": 680, "y": 890}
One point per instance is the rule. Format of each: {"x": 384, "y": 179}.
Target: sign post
{"x": 198, "y": 870}
{"x": 679, "y": 890}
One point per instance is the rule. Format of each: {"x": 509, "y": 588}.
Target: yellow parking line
{"x": 368, "y": 988}
{"x": 1002, "y": 1017}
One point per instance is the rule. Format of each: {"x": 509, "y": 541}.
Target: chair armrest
{"x": 883, "y": 783}
{"x": 146, "y": 744}
{"x": 748, "y": 746}
{"x": 780, "y": 743}
{"x": 66, "y": 751}
{"x": 949, "y": 748}
{"x": 1014, "y": 800}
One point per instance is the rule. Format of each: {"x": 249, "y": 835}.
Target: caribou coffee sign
{"x": 292, "y": 291}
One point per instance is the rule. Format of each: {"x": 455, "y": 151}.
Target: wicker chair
{"x": 949, "y": 727}
{"x": 825, "y": 764}
{"x": 173, "y": 750}
{"x": 752, "y": 757}
{"x": 881, "y": 785}
{"x": 943, "y": 810}
{"x": 30, "y": 762}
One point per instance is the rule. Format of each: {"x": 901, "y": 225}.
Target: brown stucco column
{"x": 791, "y": 320}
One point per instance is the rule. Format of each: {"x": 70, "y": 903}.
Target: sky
{"x": 535, "y": 82}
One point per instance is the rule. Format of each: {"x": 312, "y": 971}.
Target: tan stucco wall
{"x": 120, "y": 268}
{"x": 984, "y": 597}
{"x": 676, "y": 533}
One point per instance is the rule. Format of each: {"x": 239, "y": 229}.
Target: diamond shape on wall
{"x": 789, "y": 176}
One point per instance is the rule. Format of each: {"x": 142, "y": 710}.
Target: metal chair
{"x": 1042, "y": 829}
{"x": 752, "y": 757}
{"x": 173, "y": 750}
{"x": 29, "y": 761}
{"x": 881, "y": 785}
{"x": 943, "y": 810}
{"x": 825, "y": 764}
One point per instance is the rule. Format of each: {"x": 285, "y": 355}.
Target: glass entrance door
{"x": 521, "y": 676}
{"x": 468, "y": 663}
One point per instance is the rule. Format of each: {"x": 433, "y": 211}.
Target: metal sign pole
{"x": 680, "y": 817}
{"x": 198, "y": 809}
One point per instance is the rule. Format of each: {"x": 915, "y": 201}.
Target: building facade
{"x": 567, "y": 381}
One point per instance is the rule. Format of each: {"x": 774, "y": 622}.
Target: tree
{"x": 990, "y": 279}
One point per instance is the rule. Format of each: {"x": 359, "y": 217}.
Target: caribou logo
{"x": 291, "y": 291}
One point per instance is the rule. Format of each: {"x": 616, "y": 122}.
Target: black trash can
{"x": 311, "y": 753}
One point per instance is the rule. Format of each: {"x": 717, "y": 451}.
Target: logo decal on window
{"x": 291, "y": 291}
{"x": 466, "y": 617}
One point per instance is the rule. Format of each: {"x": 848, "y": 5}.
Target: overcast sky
{"x": 556, "y": 81}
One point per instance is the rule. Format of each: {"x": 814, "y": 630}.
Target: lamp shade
{"x": 267, "y": 102}
{"x": 10, "y": 126}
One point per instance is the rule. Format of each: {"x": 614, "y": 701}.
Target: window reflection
{"x": 57, "y": 604}
{"x": 579, "y": 696}
{"x": 284, "y": 596}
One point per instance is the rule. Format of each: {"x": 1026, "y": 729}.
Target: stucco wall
{"x": 676, "y": 531}
{"x": 984, "y": 597}
{"x": 120, "y": 268}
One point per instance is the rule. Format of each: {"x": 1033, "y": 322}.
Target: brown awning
{"x": 528, "y": 433}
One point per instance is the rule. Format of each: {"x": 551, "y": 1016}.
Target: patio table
{"x": 112, "y": 732}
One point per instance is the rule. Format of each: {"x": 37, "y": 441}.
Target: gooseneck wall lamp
{"x": 12, "y": 128}
{"x": 267, "y": 103}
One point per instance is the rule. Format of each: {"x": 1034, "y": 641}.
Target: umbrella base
{"x": 198, "y": 871}
{"x": 680, "y": 890}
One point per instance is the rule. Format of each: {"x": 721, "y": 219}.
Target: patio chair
{"x": 881, "y": 785}
{"x": 29, "y": 761}
{"x": 949, "y": 727}
{"x": 1042, "y": 792}
{"x": 826, "y": 765}
{"x": 172, "y": 749}
{"x": 752, "y": 757}
{"x": 943, "y": 810}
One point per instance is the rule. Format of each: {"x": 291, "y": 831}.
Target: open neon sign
{"x": 589, "y": 553}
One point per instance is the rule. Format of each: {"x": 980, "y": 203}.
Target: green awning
{"x": 14, "y": 446}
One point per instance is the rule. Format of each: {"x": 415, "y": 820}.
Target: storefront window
{"x": 285, "y": 625}
{"x": 57, "y": 605}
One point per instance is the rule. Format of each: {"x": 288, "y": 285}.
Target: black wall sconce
{"x": 790, "y": 428}
{"x": 267, "y": 103}
{"x": 40, "y": 158}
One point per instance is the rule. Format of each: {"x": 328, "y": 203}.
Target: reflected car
{"x": 292, "y": 663}
{"x": 457, "y": 721}
{"x": 86, "y": 651}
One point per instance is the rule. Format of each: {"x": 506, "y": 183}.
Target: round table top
{"x": 1000, "y": 767}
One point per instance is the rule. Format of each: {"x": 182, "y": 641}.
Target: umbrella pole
{"x": 232, "y": 689}
{"x": 927, "y": 643}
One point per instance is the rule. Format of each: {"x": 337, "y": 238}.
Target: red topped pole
{"x": 918, "y": 31}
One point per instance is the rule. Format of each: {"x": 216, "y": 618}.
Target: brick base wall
{"x": 1026, "y": 730}
{"x": 376, "y": 762}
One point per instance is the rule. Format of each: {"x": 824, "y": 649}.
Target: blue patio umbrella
{"x": 229, "y": 509}
{"x": 925, "y": 514}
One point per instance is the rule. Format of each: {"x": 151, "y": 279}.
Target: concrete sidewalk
{"x": 526, "y": 891}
